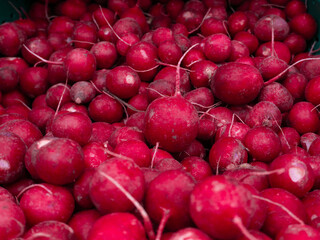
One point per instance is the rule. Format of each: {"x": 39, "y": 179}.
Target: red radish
{"x": 57, "y": 203}
{"x": 296, "y": 84}
{"x": 221, "y": 116}
{"x": 12, "y": 223}
{"x": 265, "y": 114}
{"x": 295, "y": 7}
{"x": 298, "y": 231}
{"x": 72, "y": 8}
{"x": 232, "y": 78}
{"x": 9, "y": 79}
{"x": 27, "y": 131}
{"x": 314, "y": 149}
{"x": 202, "y": 73}
{"x": 117, "y": 226}
{"x": 54, "y": 230}
{"x": 6, "y": 195}
{"x": 104, "y": 108}
{"x": 307, "y": 139}
{"x": 58, "y": 93}
{"x": 187, "y": 233}
{"x": 123, "y": 82}
{"x": 101, "y": 132}
{"x": 217, "y": 47}
{"x": 257, "y": 235}
{"x": 38, "y": 46}
{"x": 73, "y": 125}
{"x": 310, "y": 69}
{"x": 197, "y": 167}
{"x": 21, "y": 110}
{"x": 33, "y": 81}
{"x": 207, "y": 129}
{"x": 136, "y": 120}
{"x": 167, "y": 200}
{"x": 277, "y": 94}
{"x": 136, "y": 150}
{"x": 169, "y": 52}
{"x": 84, "y": 35}
{"x": 212, "y": 26}
{"x": 311, "y": 204}
{"x": 296, "y": 43}
{"x": 99, "y": 79}
{"x": 263, "y": 144}
{"x": 304, "y": 24}
{"x": 124, "y": 134}
{"x": 69, "y": 155}
{"x": 236, "y": 130}
{"x": 56, "y": 72}
{"x": 125, "y": 42}
{"x": 13, "y": 98}
{"x": 226, "y": 152}
{"x": 127, "y": 25}
{"x": 71, "y": 107}
{"x": 250, "y": 40}
{"x": 289, "y": 138}
{"x": 94, "y": 154}
{"x": 106, "y": 197}
{"x": 40, "y": 116}
{"x": 263, "y": 28}
{"x": 297, "y": 177}
{"x": 6, "y": 117}
{"x": 82, "y": 92}
{"x": 304, "y": 118}
{"x": 280, "y": 49}
{"x": 80, "y": 65}
{"x": 16, "y": 63}
{"x": 12, "y": 40}
{"x": 12, "y": 150}
{"x": 82, "y": 222}
{"x": 283, "y": 209}
{"x": 238, "y": 50}
{"x": 254, "y": 176}
{"x": 105, "y": 54}
{"x": 139, "y": 102}
{"x": 202, "y": 98}
{"x": 312, "y": 91}
{"x": 195, "y": 148}
{"x": 223, "y": 218}
{"x": 193, "y": 56}
{"x": 80, "y": 189}
{"x": 100, "y": 14}
{"x": 167, "y": 164}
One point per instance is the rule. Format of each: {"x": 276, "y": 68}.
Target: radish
{"x": 307, "y": 139}
{"x": 296, "y": 84}
{"x": 9, "y": 79}
{"x": 67, "y": 153}
{"x": 12, "y": 223}
{"x": 224, "y": 219}
{"x": 101, "y": 132}
{"x": 40, "y": 116}
{"x": 232, "y": 78}
{"x": 116, "y": 226}
{"x": 105, "y": 54}
{"x": 167, "y": 203}
{"x": 94, "y": 154}
{"x": 250, "y": 40}
{"x": 58, "y": 93}
{"x": 37, "y": 45}
{"x": 106, "y": 197}
{"x": 188, "y": 233}
{"x": 80, "y": 189}
{"x": 289, "y": 138}
{"x": 54, "y": 230}
{"x": 298, "y": 231}
{"x": 12, "y": 40}
{"x": 167, "y": 164}
{"x": 217, "y": 47}
{"x": 278, "y": 216}
{"x": 298, "y": 22}
{"x": 33, "y": 81}
{"x": 123, "y": 134}
{"x": 197, "y": 167}
{"x": 82, "y": 92}
{"x": 297, "y": 177}
{"x": 57, "y": 203}
{"x": 82, "y": 222}
{"x": 314, "y": 147}
{"x": 202, "y": 73}
{"x": 312, "y": 91}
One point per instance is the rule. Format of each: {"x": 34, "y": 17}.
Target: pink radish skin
{"x": 136, "y": 150}
{"x": 289, "y": 138}
{"x": 82, "y": 222}
{"x": 27, "y": 131}
{"x": 82, "y": 92}
{"x": 263, "y": 144}
{"x": 197, "y": 167}
{"x": 202, "y": 73}
{"x": 227, "y": 152}
{"x": 12, "y": 223}
{"x": 265, "y": 114}
{"x": 193, "y": 56}
{"x": 298, "y": 231}
{"x": 39, "y": 46}
{"x": 220, "y": 115}
{"x": 54, "y": 230}
{"x": 71, "y": 107}
{"x": 40, "y": 116}
{"x": 207, "y": 129}
{"x": 122, "y": 134}
{"x": 296, "y": 43}
{"x": 236, "y": 130}
{"x": 170, "y": 199}
{"x": 13, "y": 150}
{"x": 73, "y": 125}
{"x": 196, "y": 149}
{"x": 104, "y": 108}
{"x": 9, "y": 79}
{"x": 296, "y": 84}
{"x": 238, "y": 50}
{"x": 187, "y": 233}
{"x": 116, "y": 226}
{"x": 159, "y": 88}
{"x": 56, "y": 72}
{"x": 84, "y": 35}
{"x": 105, "y": 54}
{"x": 258, "y": 235}
{"x": 57, "y": 203}
{"x": 304, "y": 118}
{"x": 304, "y": 24}
{"x": 13, "y": 98}
{"x": 16, "y": 63}
{"x": 6, "y": 195}
{"x": 94, "y": 154}
{"x": 57, "y": 93}
{"x": 311, "y": 203}
{"x": 221, "y": 216}
{"x": 312, "y": 91}
{"x": 281, "y": 50}
{"x": 307, "y": 139}
{"x": 314, "y": 149}
{"x": 13, "y": 38}
{"x": 21, "y": 110}
{"x": 70, "y": 157}
{"x": 81, "y": 188}
{"x": 217, "y": 47}
{"x": 139, "y": 102}
{"x": 202, "y": 98}
{"x": 250, "y": 40}
{"x": 212, "y": 26}
{"x": 167, "y": 164}
{"x": 106, "y": 197}
{"x": 297, "y": 177}
{"x": 277, "y": 218}
{"x": 101, "y": 131}
{"x": 254, "y": 176}
{"x": 278, "y": 94}
{"x": 123, "y": 82}
{"x": 232, "y": 78}
{"x": 136, "y": 120}
{"x": 295, "y": 7}
{"x": 237, "y": 22}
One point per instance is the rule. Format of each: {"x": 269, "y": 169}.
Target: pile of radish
{"x": 167, "y": 120}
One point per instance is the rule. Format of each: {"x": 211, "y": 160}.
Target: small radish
{"x": 298, "y": 231}
{"x": 80, "y": 190}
